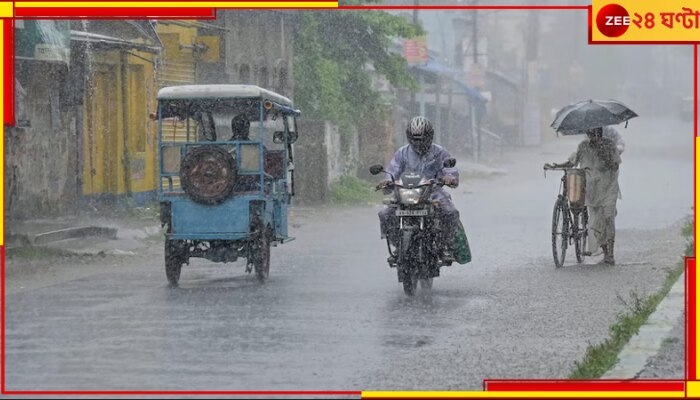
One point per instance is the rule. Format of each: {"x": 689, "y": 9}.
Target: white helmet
{"x": 420, "y": 134}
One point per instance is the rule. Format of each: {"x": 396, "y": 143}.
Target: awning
{"x": 109, "y": 42}
{"x": 435, "y": 67}
{"x": 504, "y": 78}
{"x": 193, "y": 24}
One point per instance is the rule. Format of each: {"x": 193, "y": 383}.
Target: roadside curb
{"x": 16, "y": 240}
{"x": 647, "y": 342}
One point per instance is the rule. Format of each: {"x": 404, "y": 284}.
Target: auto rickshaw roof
{"x": 221, "y": 92}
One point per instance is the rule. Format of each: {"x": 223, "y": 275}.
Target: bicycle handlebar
{"x": 545, "y": 169}
{"x": 565, "y": 168}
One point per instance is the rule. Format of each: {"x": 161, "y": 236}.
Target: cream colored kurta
{"x": 602, "y": 188}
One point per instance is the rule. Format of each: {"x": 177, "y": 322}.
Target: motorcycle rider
{"x": 422, "y": 156}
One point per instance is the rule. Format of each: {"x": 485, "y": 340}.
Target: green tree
{"x": 332, "y": 50}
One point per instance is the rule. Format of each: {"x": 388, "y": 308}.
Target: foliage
{"x": 688, "y": 233}
{"x": 352, "y": 190}
{"x": 334, "y": 53}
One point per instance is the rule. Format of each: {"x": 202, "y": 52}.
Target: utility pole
{"x": 532, "y": 106}
{"x": 475, "y": 58}
{"x": 475, "y": 33}
{"x": 415, "y": 22}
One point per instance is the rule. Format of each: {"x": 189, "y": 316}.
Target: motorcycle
{"x": 416, "y": 254}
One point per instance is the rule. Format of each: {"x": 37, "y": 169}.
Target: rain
{"x": 145, "y": 255}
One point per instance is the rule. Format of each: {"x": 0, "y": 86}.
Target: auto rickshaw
{"x": 226, "y": 174}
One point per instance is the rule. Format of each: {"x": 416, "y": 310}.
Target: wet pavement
{"x": 334, "y": 317}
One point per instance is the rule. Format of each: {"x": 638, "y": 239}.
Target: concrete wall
{"x": 41, "y": 161}
{"x": 321, "y": 156}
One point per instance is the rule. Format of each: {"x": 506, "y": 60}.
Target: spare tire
{"x": 208, "y": 174}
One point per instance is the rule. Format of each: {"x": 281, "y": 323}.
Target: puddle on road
{"x": 407, "y": 341}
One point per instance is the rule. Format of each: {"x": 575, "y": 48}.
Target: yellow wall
{"x": 178, "y": 62}
{"x": 106, "y": 125}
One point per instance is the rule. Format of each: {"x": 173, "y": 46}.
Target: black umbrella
{"x": 588, "y": 114}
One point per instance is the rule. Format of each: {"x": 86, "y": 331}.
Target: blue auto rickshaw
{"x": 226, "y": 174}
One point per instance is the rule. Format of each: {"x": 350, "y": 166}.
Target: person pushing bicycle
{"x": 600, "y": 158}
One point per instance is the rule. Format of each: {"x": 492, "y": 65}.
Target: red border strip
{"x": 379, "y": 7}
{"x": 125, "y": 12}
{"x": 175, "y": 392}
{"x": 690, "y": 295}
{"x": 584, "y": 386}
{"x": 8, "y": 59}
{"x": 2, "y": 312}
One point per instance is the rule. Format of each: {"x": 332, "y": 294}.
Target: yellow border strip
{"x": 6, "y": 9}
{"x": 208, "y": 4}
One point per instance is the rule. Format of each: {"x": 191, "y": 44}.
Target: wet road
{"x": 334, "y": 317}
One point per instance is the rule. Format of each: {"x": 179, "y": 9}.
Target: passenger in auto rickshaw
{"x": 240, "y": 128}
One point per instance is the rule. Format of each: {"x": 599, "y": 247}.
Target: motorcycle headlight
{"x": 410, "y": 196}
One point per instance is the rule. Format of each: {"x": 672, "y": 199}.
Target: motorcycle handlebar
{"x": 432, "y": 182}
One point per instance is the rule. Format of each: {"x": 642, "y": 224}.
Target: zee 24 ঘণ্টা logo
{"x": 613, "y": 20}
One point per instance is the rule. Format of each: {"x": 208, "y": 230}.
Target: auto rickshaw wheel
{"x": 173, "y": 262}
{"x": 261, "y": 255}
{"x": 208, "y": 174}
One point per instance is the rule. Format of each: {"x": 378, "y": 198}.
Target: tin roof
{"x": 220, "y": 91}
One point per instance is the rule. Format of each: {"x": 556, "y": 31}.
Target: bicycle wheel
{"x": 583, "y": 234}
{"x": 579, "y": 235}
{"x": 560, "y": 232}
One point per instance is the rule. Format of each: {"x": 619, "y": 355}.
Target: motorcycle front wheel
{"x": 410, "y": 283}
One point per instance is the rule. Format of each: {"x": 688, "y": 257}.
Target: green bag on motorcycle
{"x": 462, "y": 252}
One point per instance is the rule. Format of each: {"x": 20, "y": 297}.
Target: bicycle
{"x": 570, "y": 216}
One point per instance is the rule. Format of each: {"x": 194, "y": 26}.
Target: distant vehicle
{"x": 226, "y": 174}
{"x": 687, "y": 108}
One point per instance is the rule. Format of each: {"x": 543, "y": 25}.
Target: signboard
{"x": 477, "y": 76}
{"x": 45, "y": 40}
{"x": 415, "y": 50}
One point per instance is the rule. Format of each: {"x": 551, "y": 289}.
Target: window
{"x": 244, "y": 74}
{"x": 264, "y": 78}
